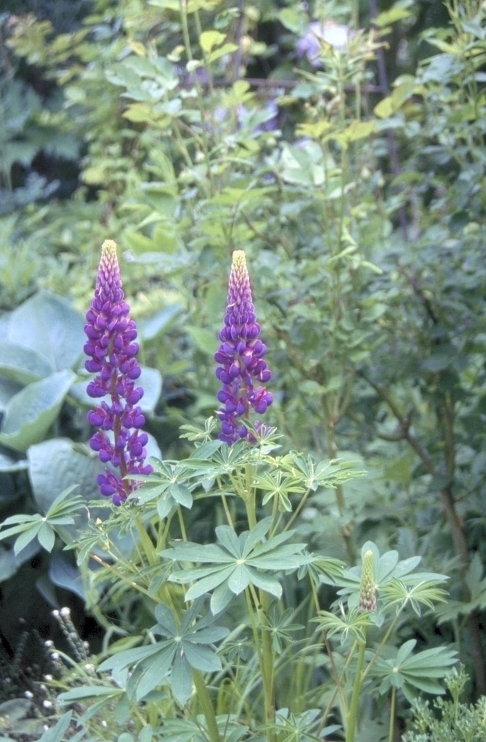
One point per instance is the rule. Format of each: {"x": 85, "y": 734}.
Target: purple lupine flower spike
{"x": 240, "y": 356}
{"x": 112, "y": 352}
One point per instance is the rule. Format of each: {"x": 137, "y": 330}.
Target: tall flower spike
{"x": 240, "y": 356}
{"x": 112, "y": 353}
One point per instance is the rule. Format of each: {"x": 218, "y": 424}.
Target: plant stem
{"x": 393, "y": 701}
{"x": 353, "y": 709}
{"x": 146, "y": 541}
{"x": 262, "y": 603}
{"x": 206, "y": 704}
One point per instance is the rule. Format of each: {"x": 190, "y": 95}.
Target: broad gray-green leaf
{"x": 46, "y": 323}
{"x": 31, "y": 412}
{"x": 56, "y": 464}
{"x": 150, "y": 327}
{"x": 21, "y": 364}
{"x": 8, "y": 564}
{"x": 7, "y": 463}
{"x": 7, "y": 391}
{"x": 66, "y": 575}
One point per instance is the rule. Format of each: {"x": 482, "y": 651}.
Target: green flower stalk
{"x": 367, "y": 591}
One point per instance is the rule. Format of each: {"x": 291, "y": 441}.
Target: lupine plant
{"x": 112, "y": 352}
{"x": 229, "y": 638}
{"x": 241, "y": 357}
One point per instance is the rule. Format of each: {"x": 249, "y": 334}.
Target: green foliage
{"x": 237, "y": 562}
{"x": 29, "y": 527}
{"x": 264, "y": 565}
{"x": 362, "y": 213}
{"x": 190, "y": 645}
{"x": 449, "y": 719}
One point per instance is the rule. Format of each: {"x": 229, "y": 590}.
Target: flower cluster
{"x": 240, "y": 356}
{"x": 112, "y": 353}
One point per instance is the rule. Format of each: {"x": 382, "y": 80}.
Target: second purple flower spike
{"x": 240, "y": 356}
{"x": 112, "y": 353}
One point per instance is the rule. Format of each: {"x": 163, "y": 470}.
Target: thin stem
{"x": 262, "y": 603}
{"x": 267, "y": 659}
{"x": 383, "y": 641}
{"x": 391, "y": 728}
{"x": 330, "y": 654}
{"x": 204, "y": 699}
{"x": 121, "y": 576}
{"x": 197, "y": 85}
{"x": 227, "y": 511}
{"x": 353, "y": 709}
{"x": 297, "y": 510}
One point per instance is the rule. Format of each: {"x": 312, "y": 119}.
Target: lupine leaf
{"x": 209, "y": 583}
{"x": 46, "y": 537}
{"x": 201, "y": 657}
{"x": 181, "y": 678}
{"x": 127, "y": 658}
{"x": 155, "y": 668}
{"x": 242, "y": 563}
{"x": 229, "y": 540}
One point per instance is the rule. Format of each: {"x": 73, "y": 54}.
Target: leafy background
{"x": 356, "y": 189}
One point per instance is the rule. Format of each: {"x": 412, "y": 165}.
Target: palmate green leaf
{"x": 241, "y": 559}
{"x": 426, "y": 593}
{"x": 329, "y": 473}
{"x": 60, "y": 507}
{"x": 30, "y": 527}
{"x": 353, "y": 622}
{"x": 191, "y": 645}
{"x": 421, "y": 670}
